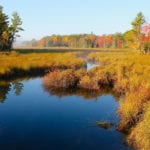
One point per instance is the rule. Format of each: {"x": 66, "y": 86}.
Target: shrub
{"x": 61, "y": 79}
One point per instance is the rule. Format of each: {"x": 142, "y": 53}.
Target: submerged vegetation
{"x": 104, "y": 124}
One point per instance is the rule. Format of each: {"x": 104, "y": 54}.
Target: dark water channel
{"x": 33, "y": 119}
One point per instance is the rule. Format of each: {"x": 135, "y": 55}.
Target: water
{"x": 91, "y": 65}
{"x": 31, "y": 118}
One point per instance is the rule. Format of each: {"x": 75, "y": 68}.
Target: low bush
{"x": 90, "y": 83}
{"x": 61, "y": 79}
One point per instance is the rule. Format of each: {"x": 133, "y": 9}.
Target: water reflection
{"x": 91, "y": 65}
{"x": 33, "y": 120}
{"x": 7, "y": 86}
{"x": 84, "y": 93}
{"x": 17, "y": 87}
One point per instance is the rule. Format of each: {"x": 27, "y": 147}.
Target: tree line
{"x": 136, "y": 38}
{"x": 9, "y": 30}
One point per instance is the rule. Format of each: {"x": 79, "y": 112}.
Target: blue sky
{"x": 45, "y": 17}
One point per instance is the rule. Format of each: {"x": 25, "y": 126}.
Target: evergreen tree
{"x": 8, "y": 32}
{"x": 14, "y": 28}
{"x": 137, "y": 24}
{"x": 3, "y": 29}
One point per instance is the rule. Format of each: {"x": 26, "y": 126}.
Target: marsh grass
{"x": 140, "y": 135}
{"x": 130, "y": 73}
{"x": 61, "y": 79}
{"x": 126, "y": 73}
{"x": 15, "y": 64}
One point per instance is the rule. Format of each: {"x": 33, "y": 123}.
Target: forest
{"x": 136, "y": 38}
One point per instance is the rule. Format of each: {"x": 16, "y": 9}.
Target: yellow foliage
{"x": 5, "y": 36}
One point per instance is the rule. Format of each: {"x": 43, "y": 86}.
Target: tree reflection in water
{"x": 17, "y": 86}
{"x": 5, "y": 87}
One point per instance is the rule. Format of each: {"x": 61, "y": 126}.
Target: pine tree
{"x": 137, "y": 24}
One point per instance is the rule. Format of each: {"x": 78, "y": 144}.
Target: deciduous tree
{"x": 14, "y": 28}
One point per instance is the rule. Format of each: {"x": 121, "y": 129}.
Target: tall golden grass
{"x": 16, "y": 64}
{"x": 130, "y": 72}
{"x": 126, "y": 73}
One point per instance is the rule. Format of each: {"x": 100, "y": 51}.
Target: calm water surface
{"x": 91, "y": 65}
{"x": 33, "y": 119}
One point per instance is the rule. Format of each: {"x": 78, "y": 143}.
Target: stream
{"x": 32, "y": 118}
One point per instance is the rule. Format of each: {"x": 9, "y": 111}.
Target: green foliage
{"x": 8, "y": 32}
{"x": 130, "y": 38}
{"x": 14, "y": 28}
{"x": 137, "y": 24}
{"x": 3, "y": 29}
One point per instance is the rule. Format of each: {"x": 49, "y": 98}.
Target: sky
{"x": 46, "y": 17}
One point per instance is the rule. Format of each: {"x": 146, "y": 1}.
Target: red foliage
{"x": 146, "y": 38}
{"x": 109, "y": 39}
{"x": 146, "y": 29}
{"x": 101, "y": 41}
{"x": 119, "y": 43}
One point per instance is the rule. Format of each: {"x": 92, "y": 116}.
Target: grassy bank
{"x": 128, "y": 75}
{"x": 16, "y": 64}
{"x": 26, "y": 50}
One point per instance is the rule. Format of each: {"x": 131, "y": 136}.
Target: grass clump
{"x": 140, "y": 134}
{"x": 104, "y": 124}
{"x": 89, "y": 83}
{"x": 61, "y": 79}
